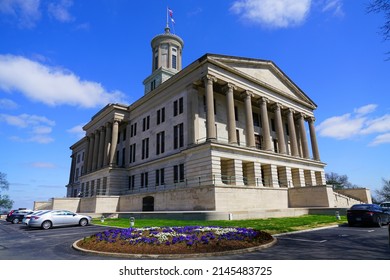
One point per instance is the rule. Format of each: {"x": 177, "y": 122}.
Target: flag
{"x": 170, "y": 12}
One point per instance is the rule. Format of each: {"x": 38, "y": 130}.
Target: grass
{"x": 271, "y": 225}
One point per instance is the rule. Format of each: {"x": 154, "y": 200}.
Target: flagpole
{"x": 167, "y": 17}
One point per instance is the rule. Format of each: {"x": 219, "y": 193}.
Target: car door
{"x": 70, "y": 218}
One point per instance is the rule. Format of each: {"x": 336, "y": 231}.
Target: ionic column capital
{"x": 247, "y": 94}
{"x": 209, "y": 79}
{"x": 263, "y": 100}
{"x": 229, "y": 86}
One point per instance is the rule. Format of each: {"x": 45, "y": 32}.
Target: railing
{"x": 214, "y": 180}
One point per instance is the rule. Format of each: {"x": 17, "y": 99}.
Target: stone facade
{"x": 225, "y": 133}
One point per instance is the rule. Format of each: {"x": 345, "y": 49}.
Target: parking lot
{"x": 18, "y": 242}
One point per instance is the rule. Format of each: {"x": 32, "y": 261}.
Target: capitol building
{"x": 223, "y": 134}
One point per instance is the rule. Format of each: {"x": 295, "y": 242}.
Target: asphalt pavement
{"x": 18, "y": 242}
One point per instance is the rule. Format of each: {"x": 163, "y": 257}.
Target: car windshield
{"x": 361, "y": 207}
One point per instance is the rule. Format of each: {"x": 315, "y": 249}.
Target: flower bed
{"x": 175, "y": 240}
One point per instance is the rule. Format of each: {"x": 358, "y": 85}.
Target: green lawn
{"x": 271, "y": 225}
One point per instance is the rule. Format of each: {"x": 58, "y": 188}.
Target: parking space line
{"x": 303, "y": 240}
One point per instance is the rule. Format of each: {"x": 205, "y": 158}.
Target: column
{"x": 231, "y": 118}
{"x": 313, "y": 138}
{"x": 265, "y": 124}
{"x": 210, "y": 118}
{"x": 279, "y": 129}
{"x": 86, "y": 156}
{"x": 114, "y": 141}
{"x": 302, "y": 132}
{"x": 250, "y": 131}
{"x": 293, "y": 136}
{"x": 90, "y": 151}
{"x": 96, "y": 150}
{"x": 101, "y": 147}
{"x": 107, "y": 145}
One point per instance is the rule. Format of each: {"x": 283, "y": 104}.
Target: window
{"x": 144, "y": 180}
{"x": 287, "y": 131}
{"x": 124, "y": 134}
{"x": 153, "y": 85}
{"x": 256, "y": 119}
{"x": 123, "y": 157}
{"x": 132, "y": 153}
{"x": 178, "y": 173}
{"x": 258, "y": 141}
{"x": 238, "y": 137}
{"x": 178, "y": 107}
{"x": 155, "y": 59}
{"x": 236, "y": 113}
{"x": 146, "y": 123}
{"x": 160, "y": 177}
{"x": 174, "y": 63}
{"x": 133, "y": 130}
{"x": 161, "y": 116}
{"x": 145, "y": 148}
{"x": 78, "y": 158}
{"x": 131, "y": 182}
{"x": 160, "y": 142}
{"x": 178, "y": 136}
{"x": 273, "y": 124}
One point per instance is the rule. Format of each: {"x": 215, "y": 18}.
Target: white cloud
{"x": 333, "y": 6}
{"x": 381, "y": 139}
{"x": 35, "y": 128}
{"x": 364, "y": 110}
{"x": 358, "y": 123}
{"x": 25, "y": 12}
{"x": 77, "y": 131}
{"x": 272, "y": 13}
{"x": 8, "y": 104}
{"x": 45, "y": 165}
{"x": 341, "y": 127}
{"x": 52, "y": 86}
{"x": 60, "y": 10}
{"x": 283, "y": 13}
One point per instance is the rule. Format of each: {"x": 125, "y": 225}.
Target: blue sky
{"x": 61, "y": 61}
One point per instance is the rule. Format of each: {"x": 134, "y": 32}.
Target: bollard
{"x": 132, "y": 221}
{"x": 338, "y": 215}
{"x": 230, "y": 216}
{"x": 102, "y": 218}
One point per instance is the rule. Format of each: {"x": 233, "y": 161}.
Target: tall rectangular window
{"x": 132, "y": 153}
{"x": 131, "y": 182}
{"x": 160, "y": 177}
{"x": 161, "y": 115}
{"x": 178, "y": 173}
{"x": 256, "y": 120}
{"x": 174, "y": 63}
{"x": 133, "y": 130}
{"x": 145, "y": 148}
{"x": 144, "y": 180}
{"x": 146, "y": 123}
{"x": 123, "y": 157}
{"x": 178, "y": 136}
{"x": 160, "y": 142}
{"x": 178, "y": 107}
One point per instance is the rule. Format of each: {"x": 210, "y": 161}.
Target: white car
{"x": 27, "y": 217}
{"x": 57, "y": 218}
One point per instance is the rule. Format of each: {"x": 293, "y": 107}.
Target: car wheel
{"x": 15, "y": 221}
{"x": 379, "y": 221}
{"x": 83, "y": 222}
{"x": 46, "y": 225}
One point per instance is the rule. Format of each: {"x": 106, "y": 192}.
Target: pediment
{"x": 266, "y": 73}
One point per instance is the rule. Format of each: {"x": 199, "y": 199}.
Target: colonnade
{"x": 295, "y": 121}
{"x": 101, "y": 147}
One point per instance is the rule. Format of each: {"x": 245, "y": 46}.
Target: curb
{"x": 174, "y": 256}
{"x": 306, "y": 230}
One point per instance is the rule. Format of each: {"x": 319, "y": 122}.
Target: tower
{"x": 166, "y": 59}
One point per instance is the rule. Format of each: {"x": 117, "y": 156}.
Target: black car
{"x": 17, "y": 216}
{"x": 367, "y": 214}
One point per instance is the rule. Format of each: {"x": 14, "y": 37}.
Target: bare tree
{"x": 382, "y": 6}
{"x": 338, "y": 181}
{"x": 384, "y": 193}
{"x": 5, "y": 201}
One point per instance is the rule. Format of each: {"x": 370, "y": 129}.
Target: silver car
{"x": 57, "y": 218}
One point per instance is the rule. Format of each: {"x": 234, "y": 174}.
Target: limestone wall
{"x": 319, "y": 196}
{"x": 70, "y": 203}
{"x": 362, "y": 194}
{"x": 250, "y": 199}
{"x": 201, "y": 198}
